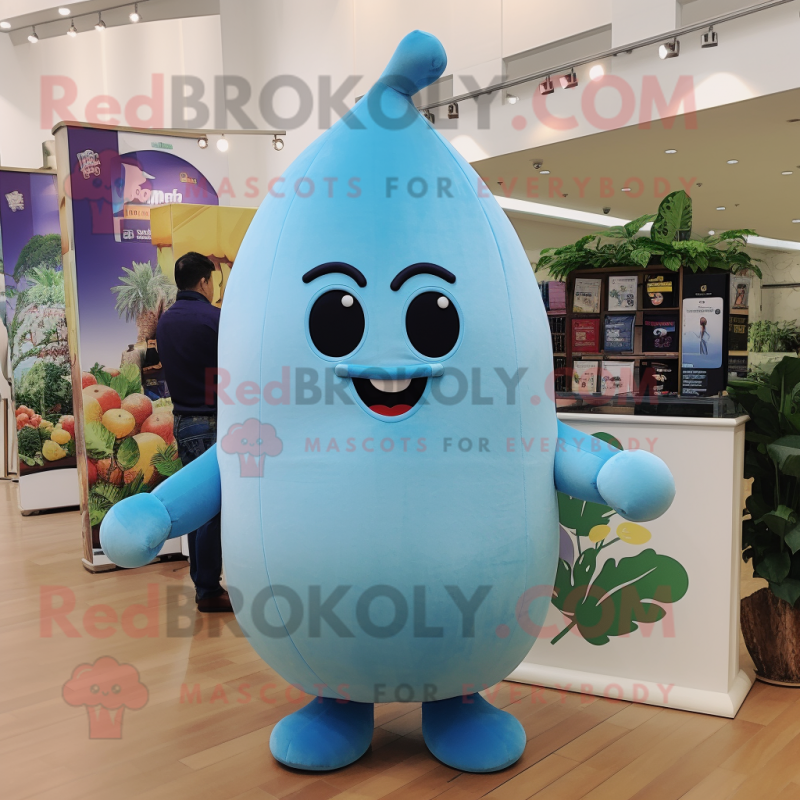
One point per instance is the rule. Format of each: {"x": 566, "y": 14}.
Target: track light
{"x": 710, "y": 38}
{"x": 569, "y": 81}
{"x": 511, "y": 98}
{"x": 99, "y": 25}
{"x": 222, "y": 144}
{"x": 670, "y": 49}
{"x": 597, "y": 72}
{"x": 33, "y": 37}
{"x": 452, "y": 111}
{"x": 73, "y": 31}
{"x": 134, "y": 15}
{"x": 546, "y": 86}
{"x": 202, "y": 143}
{"x": 277, "y": 143}
{"x": 429, "y": 116}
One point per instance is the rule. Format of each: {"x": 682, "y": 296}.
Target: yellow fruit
{"x": 59, "y": 436}
{"x": 92, "y": 410}
{"x": 45, "y": 425}
{"x": 53, "y": 452}
{"x": 148, "y": 446}
{"x": 632, "y": 533}
{"x": 119, "y": 421}
{"x": 598, "y": 533}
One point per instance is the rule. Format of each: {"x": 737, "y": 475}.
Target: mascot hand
{"x": 637, "y": 485}
{"x": 134, "y": 530}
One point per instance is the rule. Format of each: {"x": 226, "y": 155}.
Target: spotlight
{"x": 710, "y": 38}
{"x": 732, "y": 161}
{"x": 785, "y": 172}
{"x": 546, "y": 86}
{"x": 222, "y": 144}
{"x": 597, "y": 72}
{"x": 99, "y": 25}
{"x": 64, "y": 11}
{"x": 202, "y": 143}
{"x": 720, "y": 208}
{"x": 795, "y": 221}
{"x": 671, "y": 152}
{"x": 670, "y": 49}
{"x": 606, "y": 210}
{"x": 544, "y": 172}
{"x": 569, "y": 81}
{"x": 537, "y": 164}
{"x": 5, "y": 25}
{"x": 511, "y": 98}
{"x": 429, "y": 116}
{"x": 134, "y": 15}
{"x": 452, "y": 111}
{"x": 277, "y": 143}
{"x": 33, "y": 37}
{"x": 626, "y": 188}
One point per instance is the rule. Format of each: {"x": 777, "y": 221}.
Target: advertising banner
{"x": 110, "y": 182}
{"x": 36, "y": 356}
{"x": 704, "y": 334}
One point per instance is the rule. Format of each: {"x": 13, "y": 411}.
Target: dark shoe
{"x": 215, "y": 603}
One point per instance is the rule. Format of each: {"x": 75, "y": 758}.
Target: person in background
{"x": 187, "y": 345}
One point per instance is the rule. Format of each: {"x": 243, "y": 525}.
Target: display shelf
{"x": 740, "y": 312}
{"x": 738, "y": 352}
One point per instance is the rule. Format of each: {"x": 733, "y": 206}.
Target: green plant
{"x": 771, "y": 531}
{"x": 668, "y": 244}
{"x": 45, "y": 286}
{"x": 765, "y": 336}
{"x": 129, "y": 380}
{"x": 143, "y": 291}
{"x": 29, "y": 445}
{"x": 46, "y": 387}
{"x": 40, "y": 251}
{"x": 623, "y": 594}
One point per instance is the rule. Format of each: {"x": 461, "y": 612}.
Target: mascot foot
{"x": 323, "y": 735}
{"x": 469, "y": 734}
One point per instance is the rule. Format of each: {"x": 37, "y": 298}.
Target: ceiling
{"x": 593, "y": 169}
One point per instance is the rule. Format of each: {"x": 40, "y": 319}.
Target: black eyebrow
{"x": 336, "y": 266}
{"x": 419, "y": 269}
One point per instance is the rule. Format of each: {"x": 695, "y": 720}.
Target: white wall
{"x": 121, "y": 62}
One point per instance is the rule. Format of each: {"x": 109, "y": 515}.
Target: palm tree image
{"x": 145, "y": 292}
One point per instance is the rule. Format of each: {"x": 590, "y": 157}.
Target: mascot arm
{"x": 637, "y": 485}
{"x": 135, "y": 529}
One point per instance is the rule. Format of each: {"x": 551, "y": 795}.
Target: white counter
{"x": 690, "y": 658}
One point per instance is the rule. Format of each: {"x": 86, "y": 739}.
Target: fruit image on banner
{"x": 130, "y": 447}
{"x": 35, "y": 320}
{"x": 109, "y": 182}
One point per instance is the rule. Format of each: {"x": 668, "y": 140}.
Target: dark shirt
{"x": 187, "y": 345}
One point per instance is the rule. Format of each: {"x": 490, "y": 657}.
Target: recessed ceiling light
{"x": 711, "y": 233}
{"x": 733, "y": 161}
{"x": 597, "y": 72}
{"x": 64, "y": 11}
{"x": 626, "y": 188}
{"x": 5, "y": 25}
{"x": 670, "y": 152}
{"x": 544, "y": 172}
{"x": 786, "y": 172}
{"x": 796, "y": 221}
{"x": 720, "y": 208}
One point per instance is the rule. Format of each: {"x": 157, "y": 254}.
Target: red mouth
{"x": 394, "y": 411}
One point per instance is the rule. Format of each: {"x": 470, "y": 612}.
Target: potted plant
{"x": 766, "y": 336}
{"x": 669, "y": 244}
{"x": 771, "y": 530}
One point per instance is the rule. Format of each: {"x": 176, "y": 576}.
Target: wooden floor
{"x": 212, "y": 741}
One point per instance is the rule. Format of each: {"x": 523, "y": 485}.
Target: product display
{"x": 658, "y": 378}
{"x": 584, "y": 376}
{"x": 660, "y": 291}
{"x": 660, "y": 333}
{"x": 301, "y": 506}
{"x": 737, "y": 332}
{"x": 622, "y": 293}
{"x": 618, "y": 332}
{"x": 740, "y": 293}
{"x": 704, "y": 334}
{"x": 586, "y": 335}
{"x": 616, "y": 377}
{"x": 586, "y": 296}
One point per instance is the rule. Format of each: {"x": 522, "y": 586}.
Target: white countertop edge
{"x": 633, "y": 419}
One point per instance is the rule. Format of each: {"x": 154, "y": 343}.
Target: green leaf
{"x": 628, "y": 593}
{"x": 774, "y": 567}
{"x": 792, "y": 538}
{"x": 785, "y": 452}
{"x": 634, "y": 226}
{"x": 99, "y": 441}
{"x": 563, "y": 584}
{"x": 128, "y": 454}
{"x": 641, "y": 256}
{"x": 581, "y": 516}
{"x": 672, "y": 262}
{"x": 788, "y": 590}
{"x": 674, "y": 216}
{"x": 100, "y": 375}
{"x": 779, "y": 521}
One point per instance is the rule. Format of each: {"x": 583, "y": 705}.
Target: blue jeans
{"x": 194, "y": 435}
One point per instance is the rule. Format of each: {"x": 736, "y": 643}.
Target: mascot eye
{"x": 94, "y": 688}
{"x": 432, "y": 324}
{"x": 336, "y": 323}
{"x": 116, "y": 688}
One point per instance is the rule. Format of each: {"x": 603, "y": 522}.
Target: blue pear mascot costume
{"x": 389, "y": 453}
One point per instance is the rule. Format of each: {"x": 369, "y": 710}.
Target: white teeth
{"x": 390, "y": 386}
